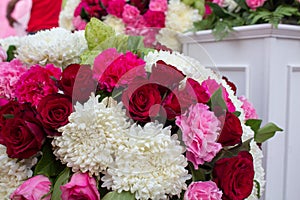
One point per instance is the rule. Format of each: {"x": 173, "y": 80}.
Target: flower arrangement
{"x": 157, "y": 20}
{"x": 114, "y": 127}
{"x": 222, "y": 15}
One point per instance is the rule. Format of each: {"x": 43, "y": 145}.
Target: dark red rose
{"x": 77, "y": 82}
{"x": 53, "y": 112}
{"x": 231, "y": 84}
{"x": 235, "y": 176}
{"x": 232, "y": 130}
{"x": 142, "y": 100}
{"x": 195, "y": 89}
{"x": 23, "y": 134}
{"x": 166, "y": 75}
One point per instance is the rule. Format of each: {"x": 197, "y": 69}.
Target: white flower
{"x": 13, "y": 172}
{"x": 180, "y": 17}
{"x": 94, "y": 131}
{"x": 67, "y": 14}
{"x": 257, "y": 155}
{"x": 149, "y": 163}
{"x": 13, "y": 40}
{"x": 169, "y": 38}
{"x": 116, "y": 23}
{"x": 57, "y": 46}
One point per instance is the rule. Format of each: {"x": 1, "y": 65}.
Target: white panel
{"x": 292, "y": 160}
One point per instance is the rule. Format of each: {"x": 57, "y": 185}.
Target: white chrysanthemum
{"x": 57, "y": 46}
{"x": 13, "y": 172}
{"x": 149, "y": 164}
{"x": 13, "y": 40}
{"x": 116, "y": 23}
{"x": 169, "y": 38}
{"x": 67, "y": 14}
{"x": 89, "y": 139}
{"x": 257, "y": 155}
{"x": 180, "y": 17}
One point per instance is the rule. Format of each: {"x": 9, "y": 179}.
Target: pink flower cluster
{"x": 203, "y": 190}
{"x": 250, "y": 112}
{"x": 3, "y": 55}
{"x": 253, "y": 4}
{"x": 200, "y": 131}
{"x": 10, "y": 73}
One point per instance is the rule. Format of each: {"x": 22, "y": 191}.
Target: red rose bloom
{"x": 22, "y": 135}
{"x": 141, "y": 100}
{"x": 54, "y": 111}
{"x": 235, "y": 176}
{"x": 77, "y": 82}
{"x": 232, "y": 130}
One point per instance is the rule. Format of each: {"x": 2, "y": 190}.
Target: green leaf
{"x": 217, "y": 10}
{"x": 119, "y": 42}
{"x": 119, "y": 196}
{"x": 197, "y": 175}
{"x": 257, "y": 185}
{"x": 10, "y": 53}
{"x": 97, "y": 32}
{"x": 237, "y": 113}
{"x": 266, "y": 132}
{"x": 48, "y": 165}
{"x": 8, "y": 116}
{"x": 217, "y": 103}
{"x": 135, "y": 42}
{"x": 242, "y": 4}
{"x": 62, "y": 179}
{"x": 254, "y": 124}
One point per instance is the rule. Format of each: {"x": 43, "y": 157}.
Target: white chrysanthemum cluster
{"x": 169, "y": 38}
{"x": 149, "y": 163}
{"x": 13, "y": 40}
{"x": 67, "y": 14}
{"x": 13, "y": 172}
{"x": 257, "y": 155}
{"x": 94, "y": 131}
{"x": 57, "y": 46}
{"x": 116, "y": 23}
{"x": 180, "y": 17}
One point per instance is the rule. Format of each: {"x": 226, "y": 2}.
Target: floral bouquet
{"x": 222, "y": 15}
{"x": 158, "y": 21}
{"x": 125, "y": 122}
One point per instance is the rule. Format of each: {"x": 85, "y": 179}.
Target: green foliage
{"x": 118, "y": 196}
{"x": 217, "y": 103}
{"x": 11, "y": 53}
{"x": 62, "y": 179}
{"x": 266, "y": 132}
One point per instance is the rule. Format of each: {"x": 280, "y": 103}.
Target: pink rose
{"x": 158, "y": 5}
{"x": 3, "y": 55}
{"x": 207, "y": 190}
{"x": 219, "y": 2}
{"x": 34, "y": 188}
{"x": 250, "y": 112}
{"x": 253, "y": 4}
{"x": 81, "y": 186}
{"x": 79, "y": 23}
{"x": 200, "y": 130}
{"x": 130, "y": 14}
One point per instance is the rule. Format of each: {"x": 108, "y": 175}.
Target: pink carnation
{"x": 155, "y": 19}
{"x": 158, "y": 5}
{"x": 10, "y": 73}
{"x": 81, "y": 186}
{"x": 112, "y": 69}
{"x": 253, "y": 4}
{"x": 35, "y": 188}
{"x": 200, "y": 130}
{"x": 79, "y": 23}
{"x": 203, "y": 190}
{"x": 3, "y": 55}
{"x": 130, "y": 14}
{"x": 250, "y": 112}
{"x": 116, "y": 7}
{"x": 212, "y": 86}
{"x": 37, "y": 82}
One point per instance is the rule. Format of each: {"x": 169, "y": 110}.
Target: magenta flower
{"x": 10, "y": 72}
{"x": 130, "y": 14}
{"x": 3, "y": 55}
{"x": 250, "y": 112}
{"x": 35, "y": 188}
{"x": 37, "y": 82}
{"x": 207, "y": 190}
{"x": 200, "y": 130}
{"x": 158, "y": 5}
{"x": 81, "y": 186}
{"x": 116, "y": 7}
{"x": 253, "y": 4}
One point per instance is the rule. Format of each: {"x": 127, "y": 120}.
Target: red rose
{"x": 22, "y": 135}
{"x": 155, "y": 19}
{"x": 53, "y": 112}
{"x": 141, "y": 99}
{"x": 232, "y": 130}
{"x": 235, "y": 176}
{"x": 77, "y": 82}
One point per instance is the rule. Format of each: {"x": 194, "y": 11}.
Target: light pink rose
{"x": 3, "y": 55}
{"x": 250, "y": 112}
{"x": 79, "y": 23}
{"x": 253, "y": 4}
{"x": 200, "y": 130}
{"x": 207, "y": 190}
{"x": 33, "y": 189}
{"x": 158, "y": 5}
{"x": 81, "y": 186}
{"x": 219, "y": 2}
{"x": 130, "y": 14}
